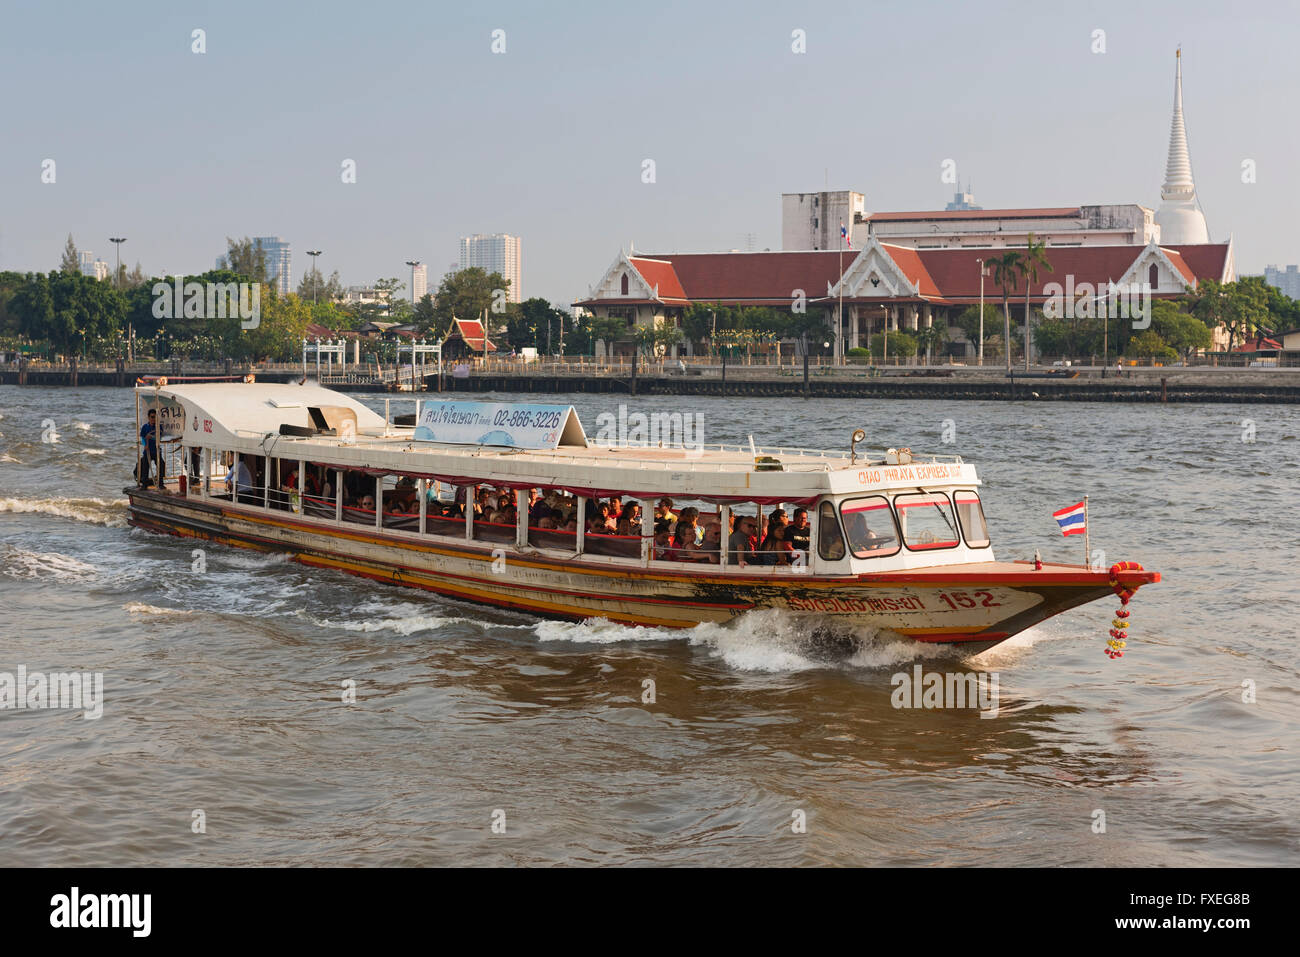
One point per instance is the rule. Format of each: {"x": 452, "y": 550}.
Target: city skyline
{"x": 1029, "y": 117}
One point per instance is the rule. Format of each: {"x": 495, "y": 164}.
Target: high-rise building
{"x": 279, "y": 262}
{"x": 498, "y": 253}
{"x": 1180, "y": 217}
{"x": 1285, "y": 280}
{"x": 90, "y": 266}
{"x": 419, "y": 281}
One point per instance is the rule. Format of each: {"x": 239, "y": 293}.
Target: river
{"x": 223, "y": 738}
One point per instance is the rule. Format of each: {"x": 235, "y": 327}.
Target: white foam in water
{"x": 97, "y": 511}
{"x": 402, "y": 618}
{"x": 772, "y": 640}
{"x": 83, "y": 426}
{"x": 140, "y": 608}
{"x": 92, "y": 451}
{"x": 45, "y": 566}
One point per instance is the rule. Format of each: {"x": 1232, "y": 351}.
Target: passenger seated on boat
{"x": 664, "y": 510}
{"x": 712, "y": 546}
{"x": 629, "y": 520}
{"x": 778, "y": 545}
{"x": 368, "y": 503}
{"x": 571, "y": 526}
{"x": 663, "y": 544}
{"x": 686, "y": 547}
{"x": 799, "y": 533}
{"x": 741, "y": 542}
{"x": 547, "y": 522}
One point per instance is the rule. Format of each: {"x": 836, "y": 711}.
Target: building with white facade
{"x": 419, "y": 281}
{"x": 811, "y": 221}
{"x": 90, "y": 266}
{"x": 498, "y": 253}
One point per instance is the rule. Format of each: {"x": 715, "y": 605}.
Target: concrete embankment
{"x": 1132, "y": 385}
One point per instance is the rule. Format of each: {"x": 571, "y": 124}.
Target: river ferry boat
{"x": 507, "y": 505}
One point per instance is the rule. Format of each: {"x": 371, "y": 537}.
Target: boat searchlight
{"x": 858, "y": 436}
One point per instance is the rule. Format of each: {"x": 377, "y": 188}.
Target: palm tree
{"x": 1035, "y": 255}
{"x": 1005, "y": 272}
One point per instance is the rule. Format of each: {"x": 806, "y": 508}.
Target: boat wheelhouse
{"x": 507, "y": 505}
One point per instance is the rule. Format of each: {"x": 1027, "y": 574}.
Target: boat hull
{"x": 968, "y": 607}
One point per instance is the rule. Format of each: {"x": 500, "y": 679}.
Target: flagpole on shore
{"x": 1087, "y": 552}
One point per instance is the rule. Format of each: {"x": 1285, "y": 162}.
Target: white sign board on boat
{"x": 510, "y": 425}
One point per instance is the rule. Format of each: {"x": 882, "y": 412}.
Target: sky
{"x": 177, "y": 150}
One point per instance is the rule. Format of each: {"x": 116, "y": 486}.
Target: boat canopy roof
{"x": 219, "y": 413}
{"x": 247, "y": 418}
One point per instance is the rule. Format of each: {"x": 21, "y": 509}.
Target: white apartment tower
{"x": 498, "y": 253}
{"x": 419, "y": 281}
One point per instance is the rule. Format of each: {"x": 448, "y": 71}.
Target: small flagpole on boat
{"x": 1087, "y": 552}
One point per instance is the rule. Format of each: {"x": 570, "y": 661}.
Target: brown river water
{"x": 221, "y": 690}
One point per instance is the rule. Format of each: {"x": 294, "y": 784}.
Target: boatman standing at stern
{"x": 149, "y": 451}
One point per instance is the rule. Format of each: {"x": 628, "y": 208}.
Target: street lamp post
{"x": 117, "y": 242}
{"x": 315, "y": 286}
{"x": 981, "y": 350}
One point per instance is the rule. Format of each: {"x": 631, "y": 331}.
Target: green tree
{"x": 71, "y": 261}
{"x": 467, "y": 294}
{"x": 900, "y": 344}
{"x": 424, "y": 315}
{"x": 1148, "y": 344}
{"x": 283, "y": 326}
{"x": 316, "y": 288}
{"x": 969, "y": 322}
{"x": 1005, "y": 272}
{"x": 245, "y": 257}
{"x": 1181, "y": 331}
{"x": 1034, "y": 256}
{"x": 1240, "y": 307}
{"x": 932, "y": 339}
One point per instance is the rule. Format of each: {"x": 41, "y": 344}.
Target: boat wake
{"x": 772, "y": 640}
{"x": 405, "y": 618}
{"x": 97, "y": 511}
{"x": 44, "y": 566}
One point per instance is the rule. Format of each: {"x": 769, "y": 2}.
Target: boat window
{"x": 927, "y": 521}
{"x": 870, "y": 527}
{"x": 401, "y": 506}
{"x": 971, "y": 515}
{"x": 830, "y": 540}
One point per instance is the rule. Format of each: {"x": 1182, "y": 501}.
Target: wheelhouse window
{"x": 970, "y": 513}
{"x": 830, "y": 540}
{"x": 927, "y": 521}
{"x": 870, "y": 527}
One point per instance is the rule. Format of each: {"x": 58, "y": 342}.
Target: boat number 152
{"x": 959, "y": 599}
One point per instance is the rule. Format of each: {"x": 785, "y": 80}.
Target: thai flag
{"x": 844, "y": 235}
{"x": 1073, "y": 520}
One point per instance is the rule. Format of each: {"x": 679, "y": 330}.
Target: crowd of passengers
{"x": 683, "y": 535}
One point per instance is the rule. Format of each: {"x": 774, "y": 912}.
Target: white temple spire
{"x": 1180, "y": 217}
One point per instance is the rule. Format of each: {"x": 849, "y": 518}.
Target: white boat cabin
{"x": 526, "y": 478}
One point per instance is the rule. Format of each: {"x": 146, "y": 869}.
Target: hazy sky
{"x": 177, "y": 150}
